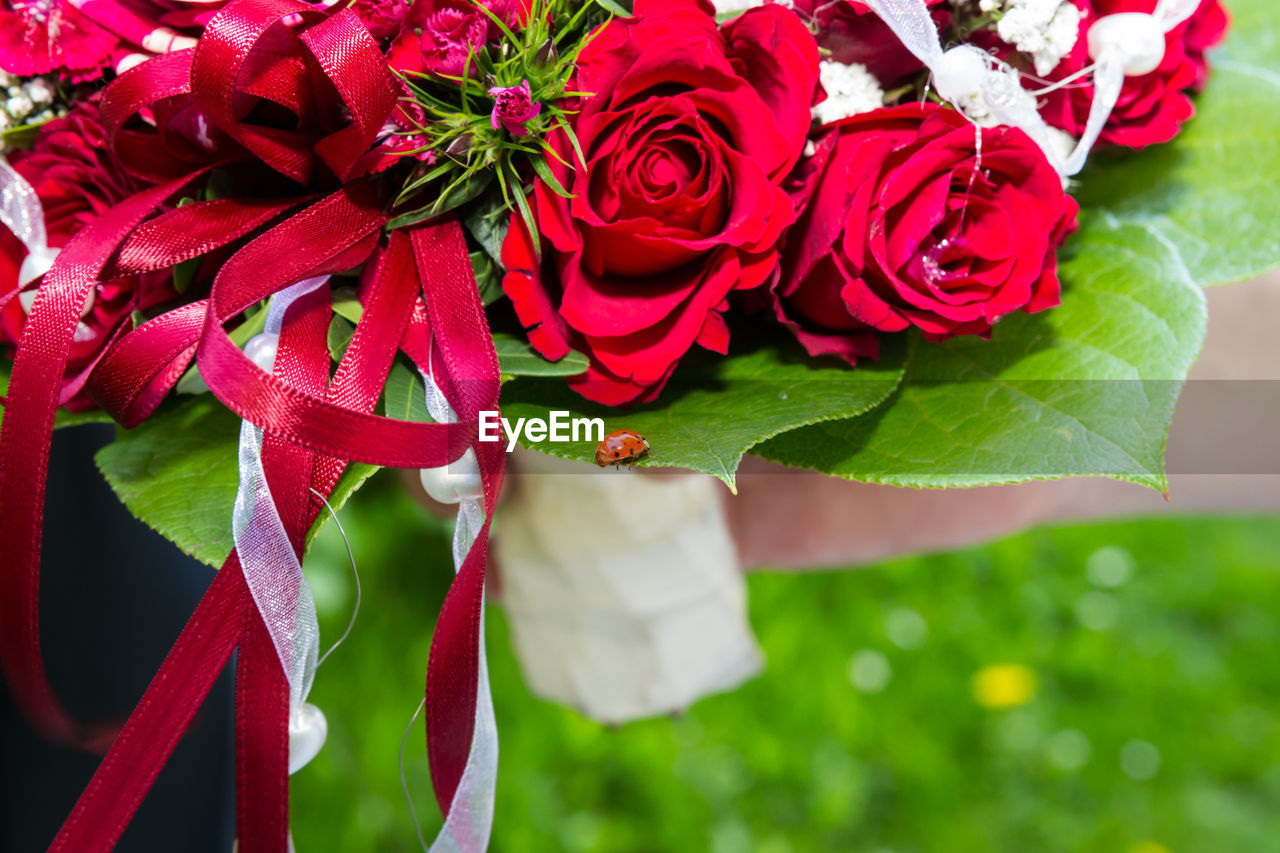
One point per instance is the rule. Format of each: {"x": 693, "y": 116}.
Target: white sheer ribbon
{"x": 469, "y": 822}
{"x": 271, "y": 568}
{"x": 971, "y": 79}
{"x": 1124, "y": 44}
{"x": 22, "y": 213}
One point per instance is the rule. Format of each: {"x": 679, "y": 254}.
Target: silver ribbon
{"x": 996, "y": 87}
{"x": 271, "y": 568}
{"x": 966, "y": 76}
{"x": 22, "y": 213}
{"x": 1108, "y": 80}
{"x": 468, "y": 824}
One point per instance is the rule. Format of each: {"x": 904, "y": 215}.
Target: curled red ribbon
{"x": 419, "y": 295}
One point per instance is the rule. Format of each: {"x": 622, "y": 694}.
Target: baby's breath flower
{"x": 730, "y": 7}
{"x": 851, "y": 89}
{"x": 1045, "y": 30}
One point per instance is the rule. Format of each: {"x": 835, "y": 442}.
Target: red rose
{"x": 76, "y": 180}
{"x": 908, "y": 228}
{"x": 1152, "y": 108}
{"x": 437, "y": 35}
{"x": 688, "y": 138}
{"x": 855, "y": 34}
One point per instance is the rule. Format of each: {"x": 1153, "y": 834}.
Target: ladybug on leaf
{"x": 621, "y": 447}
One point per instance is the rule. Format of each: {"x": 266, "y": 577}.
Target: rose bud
{"x": 513, "y": 108}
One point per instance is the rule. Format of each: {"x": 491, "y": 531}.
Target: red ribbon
{"x": 420, "y": 297}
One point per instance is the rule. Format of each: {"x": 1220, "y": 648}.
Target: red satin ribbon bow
{"x": 257, "y": 59}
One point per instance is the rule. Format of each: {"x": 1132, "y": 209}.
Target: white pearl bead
{"x": 36, "y": 263}
{"x": 307, "y": 732}
{"x": 455, "y": 482}
{"x": 1137, "y": 37}
{"x": 261, "y": 350}
{"x": 960, "y": 72}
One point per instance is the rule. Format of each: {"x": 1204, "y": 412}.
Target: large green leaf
{"x": 715, "y": 409}
{"x": 517, "y": 358}
{"x": 1087, "y": 388}
{"x": 1255, "y": 34}
{"x": 1210, "y": 195}
{"x": 178, "y": 473}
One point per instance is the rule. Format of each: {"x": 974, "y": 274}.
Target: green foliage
{"x": 177, "y": 472}
{"x": 716, "y": 409}
{"x": 456, "y": 110}
{"x": 1182, "y": 655}
{"x": 1209, "y": 196}
{"x": 1086, "y": 388}
{"x": 517, "y": 358}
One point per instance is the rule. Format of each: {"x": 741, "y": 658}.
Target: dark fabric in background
{"x": 114, "y": 597}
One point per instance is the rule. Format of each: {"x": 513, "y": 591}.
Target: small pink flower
{"x": 513, "y": 108}
{"x": 437, "y": 35}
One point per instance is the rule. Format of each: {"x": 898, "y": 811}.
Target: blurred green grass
{"x": 1155, "y": 724}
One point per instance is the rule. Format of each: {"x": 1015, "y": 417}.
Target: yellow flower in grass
{"x": 1149, "y": 847}
{"x": 1004, "y": 685}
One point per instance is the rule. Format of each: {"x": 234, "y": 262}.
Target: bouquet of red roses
{"x": 282, "y": 244}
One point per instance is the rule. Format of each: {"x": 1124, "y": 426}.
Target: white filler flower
{"x": 729, "y": 7}
{"x": 851, "y": 89}
{"x": 1046, "y": 30}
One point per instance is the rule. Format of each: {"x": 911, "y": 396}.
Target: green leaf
{"x": 454, "y": 196}
{"x": 715, "y": 409}
{"x": 341, "y": 331}
{"x": 185, "y": 272}
{"x": 526, "y": 212}
{"x": 1254, "y": 36}
{"x": 488, "y": 277}
{"x": 488, "y": 224}
{"x": 614, "y": 7}
{"x": 548, "y": 177}
{"x": 517, "y": 358}
{"x": 356, "y": 475}
{"x": 1087, "y": 388}
{"x": 346, "y": 305}
{"x": 1210, "y": 195}
{"x": 65, "y": 418}
{"x": 20, "y": 138}
{"x": 178, "y": 473}
{"x": 404, "y": 397}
